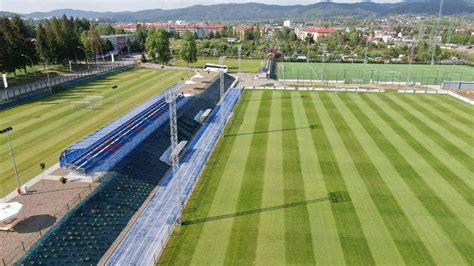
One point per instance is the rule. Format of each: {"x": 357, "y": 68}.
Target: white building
{"x": 287, "y": 23}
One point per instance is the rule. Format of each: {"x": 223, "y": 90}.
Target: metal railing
{"x": 22, "y": 247}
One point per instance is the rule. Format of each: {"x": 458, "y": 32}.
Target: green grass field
{"x": 248, "y": 65}
{"x": 44, "y": 128}
{"x": 306, "y": 178}
{"x": 360, "y": 73}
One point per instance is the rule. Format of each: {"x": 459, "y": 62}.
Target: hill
{"x": 256, "y": 11}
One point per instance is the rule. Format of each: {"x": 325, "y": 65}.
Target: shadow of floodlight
{"x": 270, "y": 131}
{"x": 254, "y": 211}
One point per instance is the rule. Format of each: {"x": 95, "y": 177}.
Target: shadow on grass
{"x": 254, "y": 211}
{"x": 270, "y": 131}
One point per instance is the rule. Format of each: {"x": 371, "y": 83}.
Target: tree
{"x": 105, "y": 29}
{"x": 15, "y": 42}
{"x": 158, "y": 46}
{"x": 210, "y": 35}
{"x": 4, "y": 49}
{"x": 94, "y": 39}
{"x": 188, "y": 50}
{"x": 140, "y": 37}
{"x": 42, "y": 44}
{"x": 23, "y": 45}
{"x": 249, "y": 35}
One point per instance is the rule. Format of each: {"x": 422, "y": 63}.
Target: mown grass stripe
{"x": 435, "y": 240}
{"x": 351, "y": 235}
{"x": 406, "y": 238}
{"x": 323, "y": 226}
{"x": 243, "y": 239}
{"x": 271, "y": 231}
{"x": 182, "y": 246}
{"x": 458, "y": 104}
{"x": 445, "y": 172}
{"x": 461, "y": 134}
{"x": 440, "y": 107}
{"x": 298, "y": 241}
{"x": 461, "y": 156}
{"x": 381, "y": 244}
{"x": 459, "y": 234}
{"x": 215, "y": 235}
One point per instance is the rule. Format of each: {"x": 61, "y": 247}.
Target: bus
{"x": 215, "y": 68}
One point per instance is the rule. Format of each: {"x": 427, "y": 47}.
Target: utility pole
{"x": 85, "y": 54}
{"x": 47, "y": 75}
{"x": 366, "y": 61}
{"x": 433, "y": 54}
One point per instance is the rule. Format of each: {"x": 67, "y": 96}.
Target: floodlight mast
{"x": 7, "y": 131}
{"x": 435, "y": 42}
{"x": 412, "y": 56}
{"x": 239, "y": 50}
{"x": 170, "y": 97}
{"x": 222, "y": 90}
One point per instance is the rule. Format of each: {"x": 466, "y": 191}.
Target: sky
{"x": 28, "y": 6}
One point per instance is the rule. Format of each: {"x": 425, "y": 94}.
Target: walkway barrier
{"x": 146, "y": 239}
{"x": 459, "y": 97}
{"x": 338, "y": 89}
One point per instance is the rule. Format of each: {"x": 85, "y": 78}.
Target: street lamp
{"x": 32, "y": 65}
{"x": 85, "y": 54}
{"x": 7, "y": 131}
{"x": 47, "y": 75}
{"x": 117, "y": 101}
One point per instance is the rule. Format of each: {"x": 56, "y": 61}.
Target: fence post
{"x": 23, "y": 246}
{"x": 67, "y": 205}
{"x": 4, "y": 263}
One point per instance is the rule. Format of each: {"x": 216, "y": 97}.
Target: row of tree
{"x": 158, "y": 44}
{"x": 16, "y": 49}
{"x": 55, "y": 40}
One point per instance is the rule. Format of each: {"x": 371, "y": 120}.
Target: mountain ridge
{"x": 258, "y": 11}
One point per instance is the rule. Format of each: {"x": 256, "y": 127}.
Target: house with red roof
{"x": 313, "y": 32}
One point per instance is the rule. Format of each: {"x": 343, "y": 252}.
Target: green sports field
{"x": 331, "y": 179}
{"x": 248, "y": 65}
{"x": 361, "y": 73}
{"x": 44, "y": 128}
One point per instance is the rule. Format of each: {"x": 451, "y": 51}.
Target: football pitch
{"x": 44, "y": 128}
{"x": 377, "y": 73}
{"x": 332, "y": 179}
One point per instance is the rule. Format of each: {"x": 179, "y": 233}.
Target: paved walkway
{"x": 47, "y": 201}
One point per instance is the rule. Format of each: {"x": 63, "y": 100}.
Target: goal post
{"x": 81, "y": 105}
{"x": 96, "y": 101}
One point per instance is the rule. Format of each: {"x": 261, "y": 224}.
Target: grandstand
{"x": 145, "y": 240}
{"x": 105, "y": 147}
{"x": 129, "y": 149}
